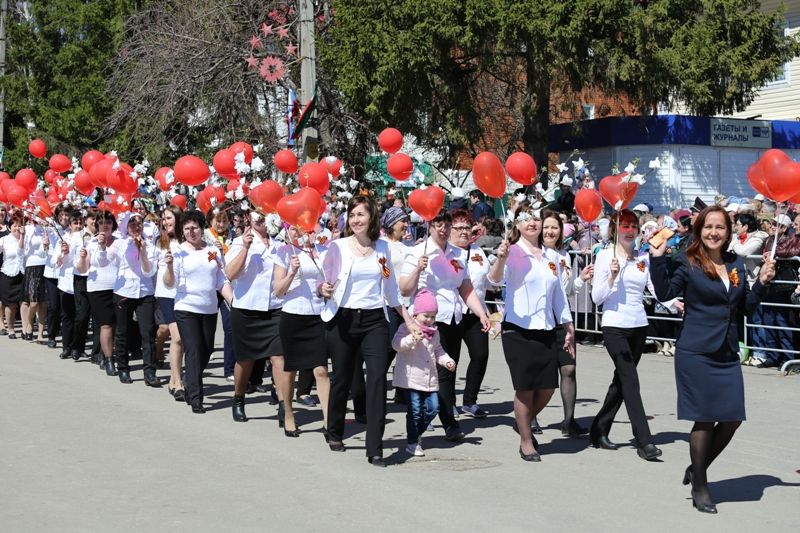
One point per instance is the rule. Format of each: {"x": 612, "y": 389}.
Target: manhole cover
{"x": 453, "y": 464}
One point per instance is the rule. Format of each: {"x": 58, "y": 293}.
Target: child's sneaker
{"x": 415, "y": 449}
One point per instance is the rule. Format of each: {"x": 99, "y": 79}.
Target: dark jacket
{"x": 711, "y": 314}
{"x": 459, "y": 203}
{"x": 480, "y": 210}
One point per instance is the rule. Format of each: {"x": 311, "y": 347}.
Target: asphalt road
{"x": 82, "y": 452}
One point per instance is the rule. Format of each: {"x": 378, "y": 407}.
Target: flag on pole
{"x": 292, "y": 111}
{"x": 305, "y": 116}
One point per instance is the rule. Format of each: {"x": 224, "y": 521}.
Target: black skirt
{"x": 710, "y": 386}
{"x": 33, "y": 288}
{"x": 11, "y": 289}
{"x": 101, "y": 304}
{"x": 303, "y": 338}
{"x": 256, "y": 334}
{"x": 531, "y": 357}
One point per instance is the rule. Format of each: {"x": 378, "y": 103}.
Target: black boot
{"x": 125, "y": 376}
{"x": 238, "y": 409}
{"x": 111, "y": 367}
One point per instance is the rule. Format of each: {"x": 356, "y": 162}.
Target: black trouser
{"x": 350, "y": 333}
{"x": 145, "y": 309}
{"x": 478, "y": 348}
{"x": 451, "y": 336}
{"x": 625, "y": 346}
{"x": 67, "y": 306}
{"x": 357, "y": 390}
{"x": 197, "y": 335}
{"x": 82, "y": 313}
{"x": 305, "y": 381}
{"x": 53, "y": 308}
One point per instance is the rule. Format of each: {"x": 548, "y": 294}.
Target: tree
{"x": 55, "y": 82}
{"x": 479, "y": 74}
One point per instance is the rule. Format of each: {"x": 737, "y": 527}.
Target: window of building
{"x": 587, "y": 111}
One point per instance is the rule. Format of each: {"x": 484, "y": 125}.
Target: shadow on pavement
{"x": 745, "y": 488}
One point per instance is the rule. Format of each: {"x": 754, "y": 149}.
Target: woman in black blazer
{"x": 707, "y": 370}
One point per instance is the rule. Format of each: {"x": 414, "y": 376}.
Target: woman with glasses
{"x": 535, "y": 303}
{"x": 621, "y": 276}
{"x": 100, "y": 283}
{"x": 476, "y": 339}
{"x": 442, "y": 268}
{"x": 255, "y": 317}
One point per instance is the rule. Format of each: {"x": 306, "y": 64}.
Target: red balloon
{"x": 4, "y": 176}
{"x": 51, "y": 175}
{"x": 16, "y": 193}
{"x": 390, "y": 140}
{"x": 99, "y": 171}
{"x": 786, "y": 182}
{"x": 521, "y": 168}
{"x": 90, "y": 158}
{"x": 488, "y": 175}
{"x": 37, "y": 148}
{"x": 234, "y": 184}
{"x": 400, "y": 166}
{"x": 83, "y": 183}
{"x": 225, "y": 163}
{"x": 191, "y": 170}
{"x": 26, "y": 178}
{"x": 616, "y": 191}
{"x": 178, "y": 200}
{"x": 161, "y": 177}
{"x": 755, "y": 177}
{"x": 44, "y": 207}
{"x": 314, "y": 175}
{"x": 242, "y": 146}
{"x": 60, "y": 163}
{"x": 203, "y": 200}
{"x": 588, "y": 204}
{"x": 265, "y": 197}
{"x": 53, "y": 197}
{"x": 285, "y": 161}
{"x": 334, "y": 166}
{"x": 427, "y": 202}
{"x": 301, "y": 209}
{"x": 120, "y": 179}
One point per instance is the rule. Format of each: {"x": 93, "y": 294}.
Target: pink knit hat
{"x": 425, "y": 302}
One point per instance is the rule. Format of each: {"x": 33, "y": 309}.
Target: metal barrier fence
{"x": 583, "y": 307}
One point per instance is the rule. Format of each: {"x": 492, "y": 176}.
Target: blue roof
{"x": 654, "y": 130}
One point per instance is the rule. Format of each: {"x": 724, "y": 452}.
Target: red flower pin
{"x": 384, "y": 268}
{"x": 456, "y": 265}
{"x": 640, "y": 265}
{"x": 553, "y": 268}
{"x": 478, "y": 258}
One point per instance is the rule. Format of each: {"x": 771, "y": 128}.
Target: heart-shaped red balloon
{"x": 427, "y": 202}
{"x": 265, "y": 197}
{"x": 301, "y": 209}
{"x": 588, "y": 204}
{"x": 618, "y": 192}
{"x": 178, "y": 200}
{"x": 785, "y": 184}
{"x": 489, "y": 175}
{"x": 755, "y": 177}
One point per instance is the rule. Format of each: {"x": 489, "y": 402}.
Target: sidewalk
{"x": 82, "y": 452}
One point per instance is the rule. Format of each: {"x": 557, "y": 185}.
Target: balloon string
{"x": 775, "y": 235}
{"x": 503, "y": 207}
{"x": 427, "y": 235}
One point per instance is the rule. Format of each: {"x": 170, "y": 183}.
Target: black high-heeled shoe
{"x": 281, "y": 414}
{"x": 336, "y": 445}
{"x": 530, "y": 457}
{"x": 710, "y": 508}
{"x": 688, "y": 475}
{"x": 294, "y": 433}
{"x": 238, "y": 409}
{"x": 603, "y": 443}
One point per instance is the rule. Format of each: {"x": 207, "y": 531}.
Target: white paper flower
{"x": 578, "y": 165}
{"x": 562, "y": 167}
{"x": 654, "y": 164}
{"x": 340, "y": 205}
{"x": 245, "y": 205}
{"x": 637, "y": 178}
{"x": 630, "y": 168}
{"x": 257, "y": 165}
{"x": 242, "y": 167}
{"x": 353, "y": 184}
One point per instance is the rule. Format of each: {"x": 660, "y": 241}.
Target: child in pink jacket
{"x": 415, "y": 368}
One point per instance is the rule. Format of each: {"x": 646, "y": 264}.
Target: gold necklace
{"x": 363, "y": 250}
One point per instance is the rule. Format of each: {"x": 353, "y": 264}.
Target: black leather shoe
{"x": 151, "y": 380}
{"x": 707, "y": 507}
{"x": 64, "y": 354}
{"x": 649, "y": 452}
{"x": 198, "y": 409}
{"x": 293, "y": 433}
{"x": 336, "y": 445}
{"x": 688, "y": 475}
{"x": 76, "y": 355}
{"x": 454, "y": 434}
{"x": 377, "y": 460}
{"x": 111, "y": 367}
{"x": 603, "y": 443}
{"x": 102, "y": 363}
{"x": 572, "y": 429}
{"x": 51, "y": 343}
{"x": 180, "y": 395}
{"x": 238, "y": 409}
{"x": 307, "y": 400}
{"x": 125, "y": 376}
{"x": 531, "y": 457}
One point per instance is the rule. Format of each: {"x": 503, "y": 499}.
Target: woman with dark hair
{"x": 100, "y": 283}
{"x": 256, "y": 316}
{"x": 3, "y": 232}
{"x": 11, "y": 273}
{"x": 360, "y": 282}
{"x": 535, "y": 303}
{"x": 475, "y": 337}
{"x": 441, "y": 267}
{"x": 621, "y": 275}
{"x": 72, "y": 288}
{"x": 169, "y": 241}
{"x": 34, "y": 298}
{"x": 195, "y": 270}
{"x": 133, "y": 293}
{"x": 217, "y": 233}
{"x": 749, "y": 240}
{"x": 707, "y": 370}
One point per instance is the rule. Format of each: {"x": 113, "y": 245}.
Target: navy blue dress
{"x": 707, "y": 370}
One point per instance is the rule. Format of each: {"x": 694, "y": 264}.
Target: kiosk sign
{"x": 741, "y": 133}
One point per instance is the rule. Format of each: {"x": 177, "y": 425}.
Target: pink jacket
{"x": 415, "y": 367}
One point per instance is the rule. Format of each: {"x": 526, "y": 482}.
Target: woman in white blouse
{"x": 442, "y": 268}
{"x": 133, "y": 292}
{"x": 535, "y": 303}
{"x": 255, "y": 318}
{"x": 360, "y": 282}
{"x": 476, "y": 339}
{"x": 196, "y": 272}
{"x": 100, "y": 282}
{"x": 34, "y": 298}
{"x": 11, "y": 273}
{"x": 620, "y": 278}
{"x": 297, "y": 276}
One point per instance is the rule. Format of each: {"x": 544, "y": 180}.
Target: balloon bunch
{"x": 777, "y": 177}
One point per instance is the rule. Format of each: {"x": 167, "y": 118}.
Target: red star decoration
{"x": 255, "y": 42}
{"x": 291, "y": 49}
{"x": 266, "y": 29}
{"x": 283, "y": 33}
{"x": 252, "y": 62}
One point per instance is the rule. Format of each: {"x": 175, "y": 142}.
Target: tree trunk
{"x": 536, "y": 113}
